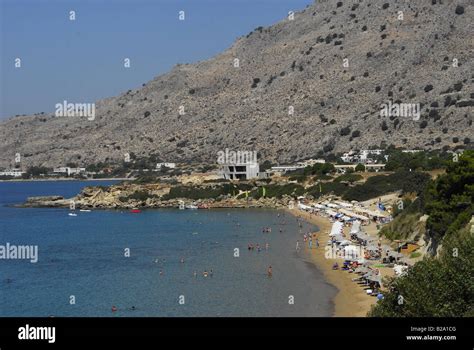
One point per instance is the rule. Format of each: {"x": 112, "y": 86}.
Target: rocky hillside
{"x": 423, "y": 54}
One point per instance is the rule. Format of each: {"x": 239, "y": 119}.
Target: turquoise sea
{"x": 83, "y": 266}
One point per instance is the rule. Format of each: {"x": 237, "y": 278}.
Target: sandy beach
{"x": 351, "y": 299}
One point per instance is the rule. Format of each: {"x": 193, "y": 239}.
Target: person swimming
{"x": 205, "y": 273}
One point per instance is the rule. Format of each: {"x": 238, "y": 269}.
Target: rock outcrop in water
{"x": 312, "y": 84}
{"x": 128, "y": 196}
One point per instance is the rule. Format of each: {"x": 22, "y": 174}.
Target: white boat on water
{"x": 85, "y": 210}
{"x": 72, "y": 214}
{"x": 181, "y": 205}
{"x": 191, "y": 206}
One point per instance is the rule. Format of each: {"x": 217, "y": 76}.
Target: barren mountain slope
{"x": 295, "y": 63}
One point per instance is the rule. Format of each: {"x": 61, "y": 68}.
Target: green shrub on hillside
{"x": 278, "y": 191}
{"x": 376, "y": 186}
{"x": 350, "y": 177}
{"x": 434, "y": 287}
{"x": 449, "y": 199}
{"x": 336, "y": 188}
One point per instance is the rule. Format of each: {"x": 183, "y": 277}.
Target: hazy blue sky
{"x": 82, "y": 60}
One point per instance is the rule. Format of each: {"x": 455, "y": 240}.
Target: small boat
{"x": 135, "y": 211}
{"x": 191, "y": 206}
{"x": 181, "y": 205}
{"x": 85, "y": 210}
{"x": 72, "y": 214}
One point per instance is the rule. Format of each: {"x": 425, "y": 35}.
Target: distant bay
{"x": 96, "y": 260}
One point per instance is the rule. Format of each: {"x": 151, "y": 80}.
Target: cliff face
{"x": 423, "y": 54}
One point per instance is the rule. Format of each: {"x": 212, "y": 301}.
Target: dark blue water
{"x": 84, "y": 257}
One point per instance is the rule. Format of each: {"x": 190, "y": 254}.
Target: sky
{"x": 83, "y": 60}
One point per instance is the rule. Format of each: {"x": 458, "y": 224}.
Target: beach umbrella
{"x": 362, "y": 269}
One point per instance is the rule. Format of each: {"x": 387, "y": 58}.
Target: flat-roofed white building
{"x": 241, "y": 171}
{"x": 12, "y": 172}
{"x": 69, "y": 171}
{"x": 311, "y": 162}
{"x": 166, "y": 165}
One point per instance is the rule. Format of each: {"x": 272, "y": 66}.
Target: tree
{"x": 449, "y": 200}
{"x": 360, "y": 168}
{"x": 37, "y": 171}
{"x": 434, "y": 287}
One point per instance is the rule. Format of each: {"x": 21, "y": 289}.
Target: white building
{"x": 69, "y": 171}
{"x": 12, "y": 172}
{"x": 362, "y": 156}
{"x": 241, "y": 171}
{"x": 285, "y": 168}
{"x": 311, "y": 162}
{"x": 411, "y": 150}
{"x": 165, "y": 165}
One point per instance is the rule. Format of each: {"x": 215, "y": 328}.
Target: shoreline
{"x": 68, "y": 179}
{"x": 351, "y": 299}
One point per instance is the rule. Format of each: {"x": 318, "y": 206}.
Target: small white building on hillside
{"x": 69, "y": 171}
{"x": 12, "y": 172}
{"x": 165, "y": 165}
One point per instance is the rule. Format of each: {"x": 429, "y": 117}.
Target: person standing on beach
{"x": 270, "y": 271}
{"x": 317, "y": 243}
{"x": 310, "y": 243}
{"x": 297, "y": 246}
